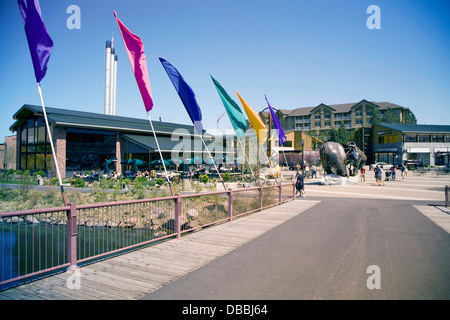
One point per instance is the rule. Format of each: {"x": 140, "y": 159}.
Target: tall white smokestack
{"x": 111, "y": 99}
{"x": 113, "y": 111}
{"x": 108, "y": 78}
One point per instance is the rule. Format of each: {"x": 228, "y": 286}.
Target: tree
{"x": 409, "y": 117}
{"x": 340, "y": 135}
{"x": 390, "y": 116}
{"x": 376, "y": 117}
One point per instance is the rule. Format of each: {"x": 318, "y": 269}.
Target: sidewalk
{"x": 414, "y": 187}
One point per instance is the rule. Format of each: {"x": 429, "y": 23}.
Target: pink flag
{"x": 135, "y": 51}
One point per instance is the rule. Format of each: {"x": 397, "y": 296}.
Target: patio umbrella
{"x": 127, "y": 161}
{"x": 175, "y": 161}
{"x": 137, "y": 163}
{"x": 159, "y": 162}
{"x": 108, "y": 162}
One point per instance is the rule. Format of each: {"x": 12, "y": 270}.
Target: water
{"x": 33, "y": 247}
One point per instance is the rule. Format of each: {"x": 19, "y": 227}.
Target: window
{"x": 35, "y": 151}
{"x": 410, "y": 137}
{"x": 359, "y": 113}
{"x": 425, "y": 138}
{"x": 317, "y": 124}
{"x": 388, "y": 139}
{"x": 88, "y": 149}
{"x": 359, "y": 122}
{"x": 447, "y": 138}
{"x": 317, "y": 117}
{"x": 438, "y": 138}
{"x": 327, "y": 116}
{"x": 327, "y": 124}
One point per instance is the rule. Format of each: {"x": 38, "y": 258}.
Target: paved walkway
{"x": 136, "y": 274}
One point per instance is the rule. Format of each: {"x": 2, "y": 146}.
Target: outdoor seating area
{"x": 192, "y": 169}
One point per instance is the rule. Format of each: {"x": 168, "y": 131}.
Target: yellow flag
{"x": 255, "y": 121}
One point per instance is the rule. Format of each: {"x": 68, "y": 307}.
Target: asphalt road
{"x": 325, "y": 253}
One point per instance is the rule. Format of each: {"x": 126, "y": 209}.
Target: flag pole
{"x": 159, "y": 150}
{"x": 246, "y": 159}
{"x": 270, "y": 165}
{"x": 223, "y": 183}
{"x": 51, "y": 145}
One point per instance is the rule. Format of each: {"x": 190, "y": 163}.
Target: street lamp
{"x": 303, "y": 157}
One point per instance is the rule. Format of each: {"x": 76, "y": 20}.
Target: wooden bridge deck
{"x": 135, "y": 274}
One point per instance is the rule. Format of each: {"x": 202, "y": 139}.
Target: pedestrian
{"x": 300, "y": 186}
{"x": 376, "y": 171}
{"x": 393, "y": 172}
{"x": 381, "y": 176}
{"x": 314, "y": 171}
{"x": 363, "y": 175}
{"x": 403, "y": 170}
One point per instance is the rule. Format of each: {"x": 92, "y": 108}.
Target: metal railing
{"x": 34, "y": 242}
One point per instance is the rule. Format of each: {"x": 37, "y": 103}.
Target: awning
{"x": 418, "y": 150}
{"x": 166, "y": 144}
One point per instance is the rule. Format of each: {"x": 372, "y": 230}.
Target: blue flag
{"x": 39, "y": 41}
{"x": 277, "y": 125}
{"x": 186, "y": 94}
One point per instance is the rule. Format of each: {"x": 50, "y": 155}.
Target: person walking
{"x": 363, "y": 175}
{"x": 314, "y": 171}
{"x": 376, "y": 171}
{"x": 300, "y": 186}
{"x": 381, "y": 176}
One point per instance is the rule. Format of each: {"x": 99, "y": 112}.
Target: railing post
{"x": 279, "y": 193}
{"x": 177, "y": 221}
{"x": 446, "y": 196}
{"x": 72, "y": 237}
{"x": 293, "y": 191}
{"x": 230, "y": 204}
{"x": 260, "y": 199}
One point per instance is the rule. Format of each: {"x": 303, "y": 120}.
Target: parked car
{"x": 413, "y": 163}
{"x": 383, "y": 165}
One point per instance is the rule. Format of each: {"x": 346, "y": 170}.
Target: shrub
{"x": 227, "y": 176}
{"x": 204, "y": 178}
{"x": 160, "y": 181}
{"x": 78, "y": 182}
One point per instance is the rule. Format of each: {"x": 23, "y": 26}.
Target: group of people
{"x": 85, "y": 176}
{"x": 391, "y": 174}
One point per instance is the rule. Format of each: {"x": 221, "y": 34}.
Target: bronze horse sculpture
{"x": 335, "y": 158}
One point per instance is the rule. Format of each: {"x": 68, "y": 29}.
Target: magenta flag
{"x": 135, "y": 51}
{"x": 39, "y": 41}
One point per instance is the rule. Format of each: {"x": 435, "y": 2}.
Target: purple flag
{"x": 39, "y": 41}
{"x": 277, "y": 125}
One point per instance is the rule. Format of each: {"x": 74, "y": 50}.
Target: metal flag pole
{"x": 270, "y": 165}
{"x": 159, "y": 150}
{"x": 51, "y": 145}
{"x": 223, "y": 183}
{"x": 248, "y": 163}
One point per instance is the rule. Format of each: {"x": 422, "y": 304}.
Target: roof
{"x": 73, "y": 118}
{"x": 339, "y": 108}
{"x": 416, "y": 128}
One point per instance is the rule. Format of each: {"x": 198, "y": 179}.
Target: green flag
{"x": 235, "y": 114}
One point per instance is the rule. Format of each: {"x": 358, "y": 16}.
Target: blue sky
{"x": 299, "y": 52}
